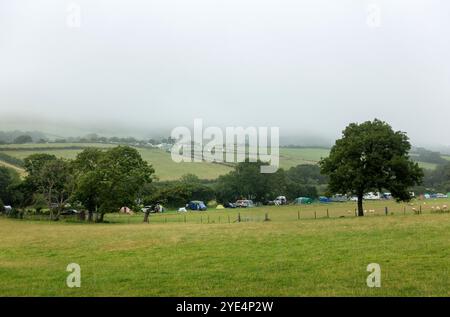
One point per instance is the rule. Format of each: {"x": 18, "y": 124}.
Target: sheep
{"x": 372, "y": 211}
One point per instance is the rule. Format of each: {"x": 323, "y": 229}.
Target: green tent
{"x": 303, "y": 200}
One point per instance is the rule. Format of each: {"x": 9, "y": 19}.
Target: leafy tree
{"x": 424, "y": 155}
{"x": 178, "y": 193}
{"x": 306, "y": 174}
{"x": 438, "y": 179}
{"x": 8, "y": 179}
{"x": 247, "y": 181}
{"x": 87, "y": 190}
{"x": 5, "y": 182}
{"x": 110, "y": 180}
{"x": 294, "y": 190}
{"x": 34, "y": 163}
{"x": 22, "y": 139}
{"x": 369, "y": 157}
{"x": 55, "y": 182}
{"x": 190, "y": 179}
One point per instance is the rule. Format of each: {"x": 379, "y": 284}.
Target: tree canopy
{"x": 371, "y": 156}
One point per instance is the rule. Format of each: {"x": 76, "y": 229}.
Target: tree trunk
{"x": 146, "y": 214}
{"x": 360, "y": 205}
{"x": 90, "y": 216}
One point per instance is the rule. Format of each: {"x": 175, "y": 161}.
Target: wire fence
{"x": 259, "y": 214}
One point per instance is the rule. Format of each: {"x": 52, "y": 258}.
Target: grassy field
{"x": 281, "y": 257}
{"x": 165, "y": 168}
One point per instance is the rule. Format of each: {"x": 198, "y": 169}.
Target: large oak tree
{"x": 371, "y": 156}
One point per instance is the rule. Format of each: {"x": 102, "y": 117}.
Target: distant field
{"x": 290, "y": 157}
{"x": 281, "y": 257}
{"x": 17, "y": 169}
{"x": 165, "y": 168}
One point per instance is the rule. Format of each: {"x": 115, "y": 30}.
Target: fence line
{"x": 249, "y": 215}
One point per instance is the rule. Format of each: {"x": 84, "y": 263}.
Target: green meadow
{"x": 205, "y": 254}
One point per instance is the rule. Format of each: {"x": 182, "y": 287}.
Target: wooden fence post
{"x": 386, "y": 211}
{"x": 298, "y": 215}
{"x": 315, "y": 214}
{"x": 328, "y": 215}
{"x": 239, "y": 217}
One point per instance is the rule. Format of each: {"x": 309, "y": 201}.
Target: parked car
{"x": 372, "y": 196}
{"x": 229, "y": 205}
{"x": 280, "y": 200}
{"x": 69, "y": 212}
{"x": 244, "y": 203}
{"x": 339, "y": 198}
{"x": 196, "y": 205}
{"x": 7, "y": 209}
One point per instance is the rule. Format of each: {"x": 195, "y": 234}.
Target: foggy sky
{"x": 308, "y": 67}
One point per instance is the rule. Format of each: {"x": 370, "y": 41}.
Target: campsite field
{"x": 165, "y": 168}
{"x": 281, "y": 257}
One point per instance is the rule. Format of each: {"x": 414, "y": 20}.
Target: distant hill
{"x": 10, "y": 136}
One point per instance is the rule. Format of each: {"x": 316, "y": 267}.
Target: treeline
{"x": 427, "y": 156}
{"x": 437, "y": 180}
{"x": 96, "y": 181}
{"x": 102, "y": 181}
{"x": 245, "y": 182}
{"x": 18, "y": 137}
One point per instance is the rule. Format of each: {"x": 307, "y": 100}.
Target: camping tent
{"x": 220, "y": 207}
{"x": 324, "y": 199}
{"x": 126, "y": 210}
{"x": 196, "y": 205}
{"x": 303, "y": 200}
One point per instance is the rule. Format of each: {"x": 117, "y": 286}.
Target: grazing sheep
{"x": 372, "y": 211}
{"x": 444, "y": 207}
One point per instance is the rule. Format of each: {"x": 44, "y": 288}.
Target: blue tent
{"x": 196, "y": 205}
{"x": 324, "y": 199}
